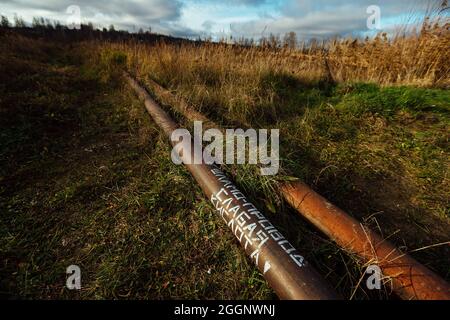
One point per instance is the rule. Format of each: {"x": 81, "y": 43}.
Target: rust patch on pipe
{"x": 410, "y": 279}
{"x": 286, "y": 271}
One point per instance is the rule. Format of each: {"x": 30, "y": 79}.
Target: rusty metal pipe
{"x": 286, "y": 271}
{"x": 410, "y": 279}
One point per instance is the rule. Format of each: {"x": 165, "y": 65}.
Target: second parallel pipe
{"x": 286, "y": 271}
{"x": 410, "y": 279}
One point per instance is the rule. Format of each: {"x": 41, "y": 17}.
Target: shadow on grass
{"x": 291, "y": 96}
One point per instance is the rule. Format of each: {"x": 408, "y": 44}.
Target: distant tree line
{"x": 46, "y": 27}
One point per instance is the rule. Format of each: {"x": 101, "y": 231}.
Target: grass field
{"x": 86, "y": 177}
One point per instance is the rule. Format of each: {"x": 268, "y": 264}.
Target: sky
{"x": 225, "y": 18}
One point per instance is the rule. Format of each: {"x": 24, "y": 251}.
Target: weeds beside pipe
{"x": 410, "y": 279}
{"x": 286, "y": 271}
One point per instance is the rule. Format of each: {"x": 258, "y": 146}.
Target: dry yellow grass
{"x": 377, "y": 153}
{"x": 412, "y": 57}
{"x": 370, "y": 150}
{"x": 237, "y": 82}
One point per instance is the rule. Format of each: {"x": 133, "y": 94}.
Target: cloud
{"x": 340, "y": 20}
{"x": 326, "y": 18}
{"x": 253, "y": 3}
{"x": 300, "y": 8}
{"x": 248, "y": 18}
{"x": 208, "y": 25}
{"x": 101, "y": 12}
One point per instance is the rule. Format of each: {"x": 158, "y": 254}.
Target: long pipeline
{"x": 286, "y": 271}
{"x": 409, "y": 278}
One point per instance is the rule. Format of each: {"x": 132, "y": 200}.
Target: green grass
{"x": 370, "y": 98}
{"x": 86, "y": 178}
{"x": 380, "y": 153}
